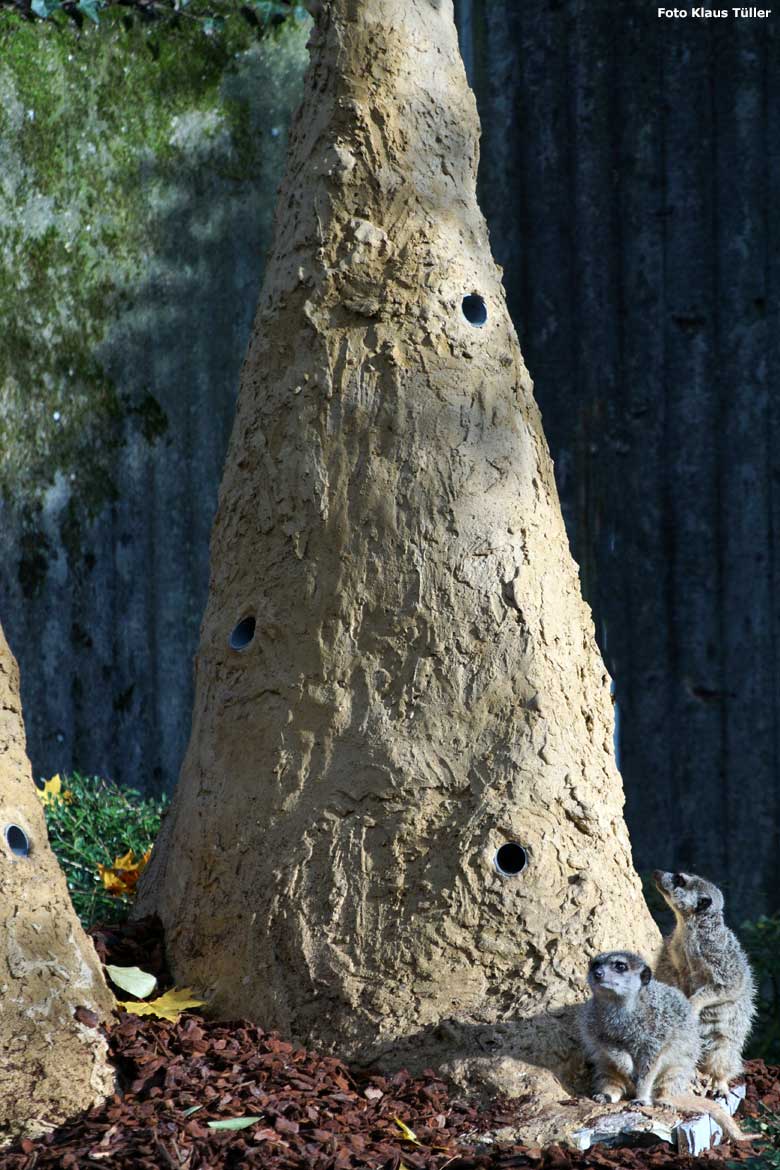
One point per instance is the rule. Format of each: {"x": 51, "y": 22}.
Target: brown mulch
{"x": 313, "y": 1111}
{"x": 763, "y": 1088}
{"x": 134, "y": 944}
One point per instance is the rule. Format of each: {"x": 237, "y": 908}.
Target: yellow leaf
{"x": 122, "y": 877}
{"x": 408, "y": 1134}
{"x": 167, "y": 1007}
{"x": 129, "y": 863}
{"x": 53, "y": 791}
{"x": 112, "y": 881}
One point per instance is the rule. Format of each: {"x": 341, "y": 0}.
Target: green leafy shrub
{"x": 93, "y": 823}
{"x": 761, "y": 940}
{"x": 766, "y": 1143}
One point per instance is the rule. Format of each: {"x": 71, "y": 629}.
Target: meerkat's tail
{"x": 693, "y": 1103}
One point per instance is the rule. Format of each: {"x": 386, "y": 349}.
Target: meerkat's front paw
{"x": 608, "y": 1098}
{"x": 714, "y": 1086}
{"x": 640, "y": 1101}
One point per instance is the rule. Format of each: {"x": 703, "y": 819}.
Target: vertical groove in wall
{"x": 691, "y": 456}
{"x": 640, "y": 511}
{"x": 720, "y": 151}
{"x": 464, "y": 17}
{"x": 91, "y": 638}
{"x": 770, "y": 204}
{"x": 744, "y": 504}
{"x": 500, "y": 186}
{"x": 137, "y": 632}
{"x": 615, "y": 644}
{"x": 667, "y": 778}
{"x": 539, "y": 277}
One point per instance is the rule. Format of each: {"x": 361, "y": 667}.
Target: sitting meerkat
{"x": 642, "y": 1038}
{"x": 704, "y": 959}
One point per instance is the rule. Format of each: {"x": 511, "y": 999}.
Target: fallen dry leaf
{"x": 53, "y": 791}
{"x": 234, "y": 1123}
{"x": 122, "y": 877}
{"x": 408, "y": 1134}
{"x": 139, "y": 983}
{"x": 167, "y": 1007}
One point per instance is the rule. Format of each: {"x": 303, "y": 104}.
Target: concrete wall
{"x": 630, "y": 172}
{"x": 631, "y": 175}
{"x": 139, "y": 169}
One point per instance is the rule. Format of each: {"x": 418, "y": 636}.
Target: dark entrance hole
{"x": 510, "y": 859}
{"x": 474, "y": 309}
{"x": 243, "y": 634}
{"x": 17, "y": 840}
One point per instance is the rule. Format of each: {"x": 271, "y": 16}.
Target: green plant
{"x": 210, "y": 14}
{"x": 766, "y": 1143}
{"x": 761, "y": 940}
{"x": 93, "y": 823}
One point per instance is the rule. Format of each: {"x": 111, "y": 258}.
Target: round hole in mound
{"x": 510, "y": 859}
{"x": 474, "y": 309}
{"x": 17, "y": 840}
{"x": 243, "y": 634}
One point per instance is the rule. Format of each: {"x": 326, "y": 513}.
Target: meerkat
{"x": 642, "y": 1038}
{"x": 704, "y": 959}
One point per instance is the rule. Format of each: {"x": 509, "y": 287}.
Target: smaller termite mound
{"x": 54, "y": 998}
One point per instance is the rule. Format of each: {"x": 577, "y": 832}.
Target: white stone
{"x": 697, "y": 1135}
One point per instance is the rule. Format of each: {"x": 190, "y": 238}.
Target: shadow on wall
{"x": 101, "y": 590}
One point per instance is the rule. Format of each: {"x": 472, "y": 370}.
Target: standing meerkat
{"x": 705, "y": 960}
{"x": 642, "y": 1038}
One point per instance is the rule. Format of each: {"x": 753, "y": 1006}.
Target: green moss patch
{"x": 106, "y": 133}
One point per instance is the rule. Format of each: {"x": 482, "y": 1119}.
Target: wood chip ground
{"x": 314, "y": 1111}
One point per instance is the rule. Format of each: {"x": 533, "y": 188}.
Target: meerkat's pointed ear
{"x": 646, "y": 975}
{"x": 703, "y": 904}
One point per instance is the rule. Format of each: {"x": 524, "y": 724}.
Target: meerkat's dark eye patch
{"x": 703, "y": 904}
{"x": 620, "y": 966}
{"x": 678, "y": 881}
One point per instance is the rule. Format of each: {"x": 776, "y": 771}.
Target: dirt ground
{"x": 311, "y": 1110}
